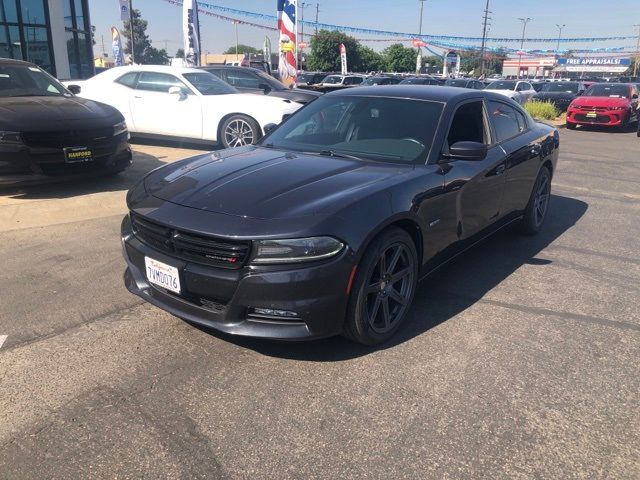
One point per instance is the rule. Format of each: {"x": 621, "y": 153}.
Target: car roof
{"x": 419, "y": 92}
{"x": 12, "y": 61}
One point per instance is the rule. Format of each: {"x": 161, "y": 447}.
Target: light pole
{"x": 560, "y": 28}
{"x": 419, "y": 34}
{"x": 524, "y": 29}
{"x": 635, "y": 63}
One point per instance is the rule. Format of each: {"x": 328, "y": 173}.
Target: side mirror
{"x": 634, "y": 96}
{"x": 467, "y": 151}
{"x": 268, "y": 127}
{"x": 75, "y": 89}
{"x": 580, "y": 93}
{"x": 285, "y": 116}
{"x": 177, "y": 91}
{"x": 265, "y": 88}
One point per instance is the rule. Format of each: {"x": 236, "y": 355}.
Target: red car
{"x": 606, "y": 104}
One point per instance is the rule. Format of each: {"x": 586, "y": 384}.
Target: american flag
{"x": 287, "y": 46}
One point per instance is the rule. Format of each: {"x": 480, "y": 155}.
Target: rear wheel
{"x": 536, "y": 209}
{"x": 383, "y": 288}
{"x": 239, "y": 130}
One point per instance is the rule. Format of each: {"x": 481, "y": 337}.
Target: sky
{"x": 583, "y": 18}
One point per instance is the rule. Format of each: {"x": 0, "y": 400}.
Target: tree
{"x": 180, "y": 53}
{"x": 144, "y": 52}
{"x": 325, "y": 51}
{"x": 241, "y": 49}
{"x": 399, "y": 58}
{"x": 370, "y": 60}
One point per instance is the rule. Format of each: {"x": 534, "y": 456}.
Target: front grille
{"x": 196, "y": 248}
{"x": 598, "y": 119}
{"x": 594, "y": 109}
{"x": 68, "y": 138}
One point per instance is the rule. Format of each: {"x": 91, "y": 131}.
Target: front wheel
{"x": 536, "y": 210}
{"x": 239, "y": 130}
{"x": 383, "y": 290}
{"x": 571, "y": 126}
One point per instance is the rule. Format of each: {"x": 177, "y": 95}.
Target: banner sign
{"x": 287, "y": 44}
{"x": 596, "y": 64}
{"x": 116, "y": 45}
{"x": 343, "y": 59}
{"x": 191, "y": 32}
{"x": 124, "y": 10}
{"x": 266, "y": 51}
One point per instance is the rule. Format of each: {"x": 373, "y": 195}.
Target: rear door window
{"x": 504, "y": 120}
{"x": 128, "y": 79}
{"x": 160, "y": 82}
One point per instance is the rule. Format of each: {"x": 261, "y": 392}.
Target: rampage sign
{"x": 191, "y": 32}
{"x": 586, "y": 64}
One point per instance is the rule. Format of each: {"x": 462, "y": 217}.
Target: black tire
{"x": 380, "y": 299}
{"x": 538, "y": 205}
{"x": 571, "y": 126}
{"x": 238, "y": 130}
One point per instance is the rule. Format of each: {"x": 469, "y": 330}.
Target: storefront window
{"x": 79, "y": 40}
{"x": 33, "y": 11}
{"x": 8, "y": 11}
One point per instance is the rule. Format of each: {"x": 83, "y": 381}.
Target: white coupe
{"x": 183, "y": 103}
{"x": 518, "y": 90}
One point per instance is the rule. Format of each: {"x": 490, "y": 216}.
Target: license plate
{"x": 77, "y": 155}
{"x": 163, "y": 275}
{"x": 592, "y": 115}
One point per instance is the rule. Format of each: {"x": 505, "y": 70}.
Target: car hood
{"x": 600, "y": 102}
{"x": 554, "y": 96}
{"x": 256, "y": 182}
{"x": 28, "y": 114}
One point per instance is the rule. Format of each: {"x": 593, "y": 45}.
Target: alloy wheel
{"x": 238, "y": 133}
{"x": 541, "y": 200}
{"x": 389, "y": 289}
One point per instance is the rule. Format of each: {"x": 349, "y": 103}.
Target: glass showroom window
{"x": 79, "y": 39}
{"x": 24, "y": 33}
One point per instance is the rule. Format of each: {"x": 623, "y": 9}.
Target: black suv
{"x": 252, "y": 80}
{"x": 46, "y": 130}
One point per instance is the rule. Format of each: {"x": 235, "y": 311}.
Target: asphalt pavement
{"x": 518, "y": 360}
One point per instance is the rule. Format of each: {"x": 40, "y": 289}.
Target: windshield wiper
{"x": 333, "y": 153}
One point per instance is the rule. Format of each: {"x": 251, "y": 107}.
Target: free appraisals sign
{"x": 595, "y": 64}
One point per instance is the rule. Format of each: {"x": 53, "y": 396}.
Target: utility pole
{"x": 485, "y": 20}
{"x": 560, "y": 28}
{"x": 103, "y": 49}
{"x": 131, "y": 34}
{"x": 419, "y": 62}
{"x": 524, "y": 28}
{"x": 301, "y": 39}
{"x": 635, "y": 63}
{"x": 317, "y": 14}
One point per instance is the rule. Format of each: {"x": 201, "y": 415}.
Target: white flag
{"x": 191, "y": 30}
{"x": 124, "y": 10}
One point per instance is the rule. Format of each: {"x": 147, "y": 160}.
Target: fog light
{"x": 270, "y": 312}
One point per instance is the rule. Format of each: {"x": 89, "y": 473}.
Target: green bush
{"x": 542, "y": 110}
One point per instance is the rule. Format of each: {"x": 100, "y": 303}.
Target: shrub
{"x": 542, "y": 110}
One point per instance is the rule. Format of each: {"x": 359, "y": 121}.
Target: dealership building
{"x": 54, "y": 34}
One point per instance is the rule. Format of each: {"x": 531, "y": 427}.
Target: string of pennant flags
{"x": 435, "y": 41}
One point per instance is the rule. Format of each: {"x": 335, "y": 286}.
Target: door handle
{"x": 500, "y": 169}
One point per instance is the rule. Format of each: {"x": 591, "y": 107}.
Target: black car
{"x": 464, "y": 83}
{"x": 328, "y": 223}
{"x": 421, "y": 81}
{"x": 308, "y": 79}
{"x": 251, "y": 80}
{"x": 561, "y": 94}
{"x": 371, "y": 81}
{"x": 46, "y": 130}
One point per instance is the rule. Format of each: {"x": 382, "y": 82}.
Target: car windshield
{"x": 28, "y": 81}
{"x": 570, "y": 87}
{"x": 456, "y": 83}
{"x": 306, "y": 77}
{"x": 502, "y": 85}
{"x": 272, "y": 82}
{"x": 608, "y": 90}
{"x": 332, "y": 79}
{"x": 375, "y": 80}
{"x": 208, "y": 84}
{"x": 363, "y": 127}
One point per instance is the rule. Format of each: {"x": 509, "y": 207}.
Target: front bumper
{"x": 223, "y": 299}
{"x": 606, "y": 118}
{"x": 23, "y": 163}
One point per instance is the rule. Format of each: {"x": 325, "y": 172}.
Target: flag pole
{"x": 131, "y": 35}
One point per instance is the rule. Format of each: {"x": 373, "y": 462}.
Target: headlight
{"x": 295, "y": 250}
{"x": 619, "y": 108}
{"x": 119, "y": 128}
{"x": 10, "y": 138}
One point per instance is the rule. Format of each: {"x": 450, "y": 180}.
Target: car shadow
{"x": 629, "y": 128}
{"x": 444, "y": 294}
{"x": 72, "y": 186}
